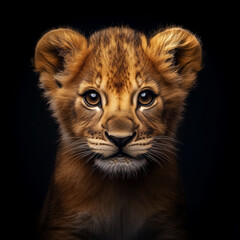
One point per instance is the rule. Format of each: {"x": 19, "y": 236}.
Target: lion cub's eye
{"x": 92, "y": 98}
{"x": 146, "y": 98}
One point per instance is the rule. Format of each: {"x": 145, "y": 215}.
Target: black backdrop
{"x": 208, "y": 153}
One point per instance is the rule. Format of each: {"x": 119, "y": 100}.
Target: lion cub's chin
{"x": 120, "y": 166}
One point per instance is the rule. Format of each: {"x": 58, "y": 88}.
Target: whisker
{"x": 76, "y": 144}
{"x": 157, "y": 145}
{"x": 150, "y": 157}
{"x": 94, "y": 168}
{"x": 167, "y": 138}
{"x": 165, "y": 158}
{"x": 92, "y": 155}
{"x": 76, "y": 150}
{"x": 165, "y": 149}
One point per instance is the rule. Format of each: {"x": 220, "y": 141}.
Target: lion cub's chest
{"x": 117, "y": 220}
{"x": 123, "y": 223}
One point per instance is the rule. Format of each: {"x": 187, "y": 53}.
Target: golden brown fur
{"x": 94, "y": 195}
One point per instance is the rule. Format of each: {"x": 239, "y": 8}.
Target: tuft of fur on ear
{"x": 177, "y": 54}
{"x": 58, "y": 53}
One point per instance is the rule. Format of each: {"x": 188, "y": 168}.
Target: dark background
{"x": 208, "y": 155}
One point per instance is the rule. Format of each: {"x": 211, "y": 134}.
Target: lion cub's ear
{"x": 58, "y": 54}
{"x": 176, "y": 53}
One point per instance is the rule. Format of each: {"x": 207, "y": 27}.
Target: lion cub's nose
{"x": 120, "y": 141}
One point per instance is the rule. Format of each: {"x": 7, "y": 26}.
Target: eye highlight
{"x": 92, "y": 98}
{"x": 146, "y": 98}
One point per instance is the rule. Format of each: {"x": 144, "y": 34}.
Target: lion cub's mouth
{"x": 119, "y": 155}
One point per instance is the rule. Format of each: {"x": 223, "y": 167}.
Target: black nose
{"x": 120, "y": 142}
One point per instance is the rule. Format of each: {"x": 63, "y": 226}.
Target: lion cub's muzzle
{"x": 120, "y": 151}
{"x": 120, "y": 142}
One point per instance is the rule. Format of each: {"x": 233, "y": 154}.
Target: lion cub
{"x": 117, "y": 97}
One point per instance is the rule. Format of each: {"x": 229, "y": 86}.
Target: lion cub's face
{"x": 117, "y": 96}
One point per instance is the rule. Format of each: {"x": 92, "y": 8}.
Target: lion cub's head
{"x": 118, "y": 96}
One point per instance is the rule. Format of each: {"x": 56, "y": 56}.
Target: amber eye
{"x": 92, "y": 98}
{"x": 146, "y": 98}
